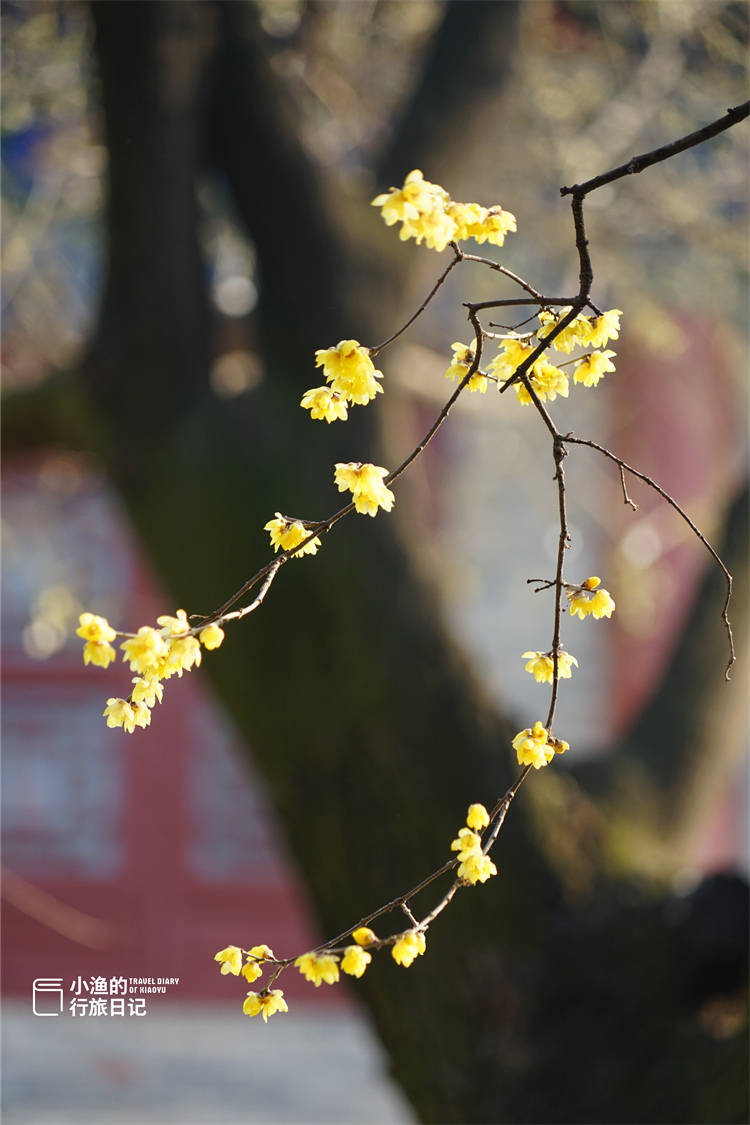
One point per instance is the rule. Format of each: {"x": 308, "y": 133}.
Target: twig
{"x": 624, "y": 467}
{"x": 645, "y": 160}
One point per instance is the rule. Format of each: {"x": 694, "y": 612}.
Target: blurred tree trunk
{"x": 366, "y": 720}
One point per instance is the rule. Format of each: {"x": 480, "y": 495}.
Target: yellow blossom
{"x": 541, "y": 665}
{"x": 547, "y": 380}
{"x": 434, "y": 227}
{"x": 264, "y": 1003}
{"x": 496, "y": 224}
{"x": 365, "y": 481}
{"x": 355, "y": 960}
{"x": 142, "y": 715}
{"x": 318, "y": 968}
{"x": 476, "y": 868}
{"x": 324, "y": 404}
{"x": 577, "y": 333}
{"x": 477, "y": 817}
{"x": 97, "y": 632}
{"x": 262, "y": 952}
{"x": 593, "y": 367}
{"x": 511, "y": 356}
{"x": 532, "y": 747}
{"x": 98, "y": 653}
{"x": 174, "y": 626}
{"x": 468, "y": 217}
{"x": 350, "y": 370}
{"x": 211, "y": 637}
{"x": 416, "y": 195}
{"x": 148, "y": 692}
{"x": 408, "y": 947}
{"x": 119, "y": 713}
{"x": 183, "y": 653}
{"x": 605, "y": 327}
{"x": 95, "y": 629}
{"x": 231, "y": 959}
{"x": 463, "y": 357}
{"x": 145, "y": 651}
{"x": 583, "y": 600}
{"x": 288, "y": 534}
{"x": 602, "y": 604}
{"x": 364, "y": 936}
{"x": 466, "y": 843}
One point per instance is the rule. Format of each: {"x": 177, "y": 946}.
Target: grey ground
{"x": 195, "y": 1065}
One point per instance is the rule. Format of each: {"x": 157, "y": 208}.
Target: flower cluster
{"x": 428, "y": 214}
{"x": 548, "y": 380}
{"x": 536, "y": 747}
{"x": 264, "y": 1003}
{"x": 587, "y": 599}
{"x": 474, "y": 865}
{"x": 365, "y": 482}
{"x": 154, "y": 654}
{"x": 542, "y": 665}
{"x": 352, "y": 377}
{"x": 287, "y": 534}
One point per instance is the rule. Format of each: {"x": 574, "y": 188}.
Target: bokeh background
{"x": 186, "y": 192}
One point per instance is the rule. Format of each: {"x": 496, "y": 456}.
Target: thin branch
{"x": 458, "y": 257}
{"x": 624, "y": 467}
{"x": 645, "y": 160}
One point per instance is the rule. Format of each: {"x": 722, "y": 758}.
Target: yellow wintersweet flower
{"x": 364, "y": 935}
{"x": 583, "y": 600}
{"x": 533, "y": 747}
{"x": 253, "y": 967}
{"x": 211, "y": 637}
{"x": 145, "y": 651}
{"x": 95, "y": 629}
{"x": 97, "y": 632}
{"x": 262, "y": 952}
{"x": 408, "y": 202}
{"x": 463, "y": 357}
{"x": 408, "y": 947}
{"x": 477, "y": 817}
{"x": 264, "y": 1003}
{"x": 183, "y": 653}
{"x": 350, "y": 371}
{"x": 605, "y": 327}
{"x": 511, "y": 356}
{"x": 547, "y": 380}
{"x": 468, "y": 217}
{"x": 476, "y": 868}
{"x": 365, "y": 481}
{"x": 495, "y": 226}
{"x": 98, "y": 653}
{"x": 325, "y": 404}
{"x": 148, "y": 692}
{"x": 602, "y": 604}
{"x": 318, "y": 968}
{"x": 466, "y": 843}
{"x": 593, "y": 367}
{"x": 119, "y": 713}
{"x": 541, "y": 665}
{"x": 174, "y": 626}
{"x": 231, "y": 959}
{"x": 577, "y": 333}
{"x": 433, "y": 227}
{"x": 355, "y": 960}
{"x": 288, "y": 534}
